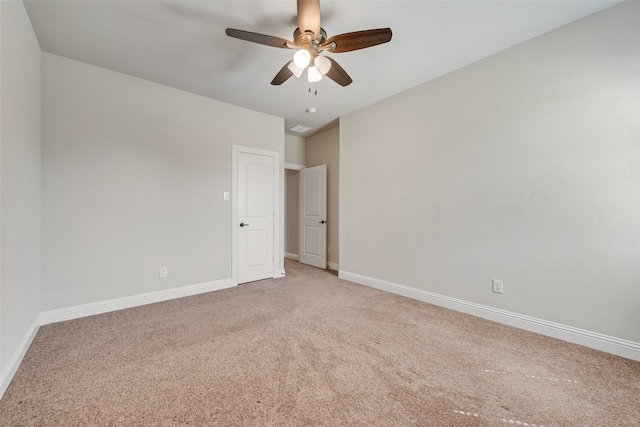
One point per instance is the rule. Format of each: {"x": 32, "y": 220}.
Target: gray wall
{"x": 324, "y": 149}
{"x": 133, "y": 178}
{"x": 294, "y": 147}
{"x": 524, "y": 167}
{"x": 20, "y": 182}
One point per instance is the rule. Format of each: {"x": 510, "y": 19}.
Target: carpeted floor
{"x": 312, "y": 350}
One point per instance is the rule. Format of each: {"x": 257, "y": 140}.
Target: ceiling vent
{"x": 300, "y": 129}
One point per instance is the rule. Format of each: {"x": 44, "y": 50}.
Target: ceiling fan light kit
{"x": 297, "y": 71}
{"x": 302, "y": 58}
{"x": 310, "y": 40}
{"x": 313, "y": 75}
{"x": 322, "y": 64}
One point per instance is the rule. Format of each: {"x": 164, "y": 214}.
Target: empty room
{"x": 358, "y": 213}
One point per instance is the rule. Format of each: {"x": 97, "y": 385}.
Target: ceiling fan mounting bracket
{"x": 331, "y": 46}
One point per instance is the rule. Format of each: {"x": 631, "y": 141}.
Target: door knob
{"x": 323, "y": 222}
{"x": 242, "y": 224}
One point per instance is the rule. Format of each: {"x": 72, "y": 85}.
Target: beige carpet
{"x": 312, "y": 350}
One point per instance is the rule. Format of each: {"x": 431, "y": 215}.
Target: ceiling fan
{"x": 310, "y": 40}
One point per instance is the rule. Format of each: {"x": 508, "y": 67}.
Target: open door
{"x": 312, "y": 233}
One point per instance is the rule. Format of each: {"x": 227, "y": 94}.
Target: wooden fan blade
{"x": 258, "y": 38}
{"x": 283, "y": 75}
{"x": 309, "y": 16}
{"x": 358, "y": 40}
{"x": 338, "y": 74}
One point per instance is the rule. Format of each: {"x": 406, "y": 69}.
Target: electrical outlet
{"x": 498, "y": 286}
{"x": 164, "y": 271}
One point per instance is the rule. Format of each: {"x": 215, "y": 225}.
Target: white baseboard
{"x": 16, "y": 360}
{"x": 608, "y": 344}
{"x": 289, "y": 255}
{"x": 333, "y": 266}
{"x": 78, "y": 311}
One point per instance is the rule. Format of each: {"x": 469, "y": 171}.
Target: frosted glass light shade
{"x": 313, "y": 75}
{"x": 322, "y": 64}
{"x": 301, "y": 58}
{"x": 294, "y": 69}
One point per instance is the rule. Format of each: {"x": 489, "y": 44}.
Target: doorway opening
{"x": 305, "y": 216}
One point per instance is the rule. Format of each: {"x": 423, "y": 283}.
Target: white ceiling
{"x": 183, "y": 44}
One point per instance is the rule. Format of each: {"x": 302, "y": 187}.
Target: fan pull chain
{"x": 315, "y": 85}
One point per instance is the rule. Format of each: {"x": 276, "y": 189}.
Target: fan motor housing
{"x": 306, "y": 40}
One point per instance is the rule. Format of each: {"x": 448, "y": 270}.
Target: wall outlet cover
{"x": 498, "y": 286}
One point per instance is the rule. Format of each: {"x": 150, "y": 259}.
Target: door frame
{"x": 236, "y": 149}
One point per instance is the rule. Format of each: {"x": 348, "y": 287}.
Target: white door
{"x": 313, "y": 216}
{"x": 255, "y": 216}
